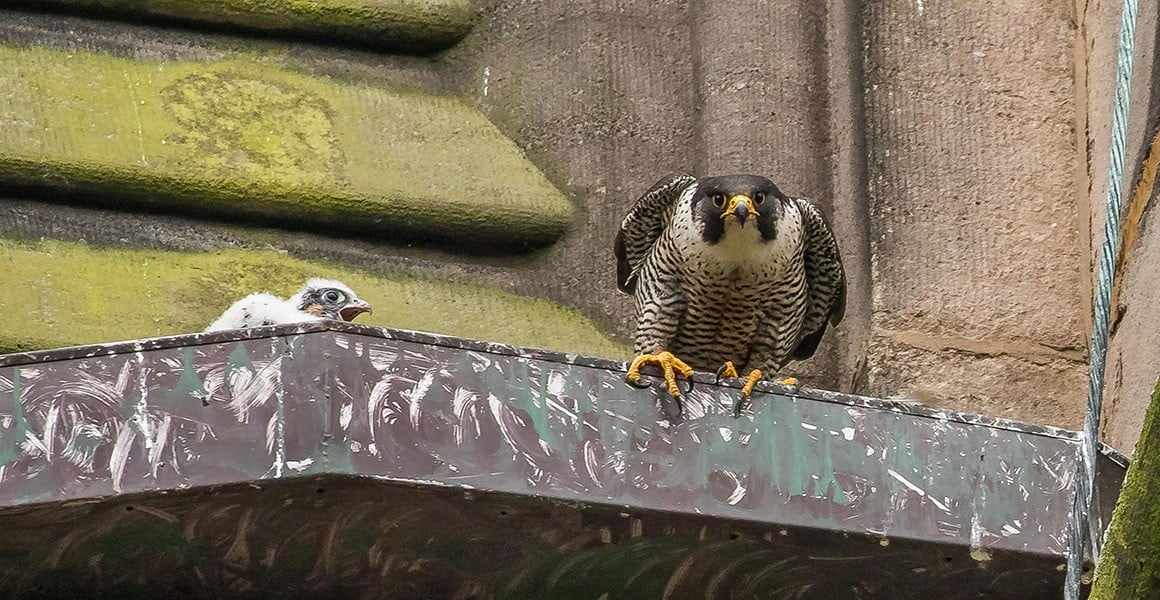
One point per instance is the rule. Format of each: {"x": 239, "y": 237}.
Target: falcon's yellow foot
{"x": 670, "y": 366}
{"x": 728, "y": 370}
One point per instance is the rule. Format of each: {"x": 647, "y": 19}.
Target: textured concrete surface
{"x": 404, "y": 25}
{"x": 1133, "y": 362}
{"x": 969, "y": 115}
{"x": 603, "y": 96}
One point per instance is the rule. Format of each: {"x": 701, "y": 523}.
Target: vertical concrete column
{"x": 601, "y": 94}
{"x": 1133, "y": 355}
{"x": 973, "y": 221}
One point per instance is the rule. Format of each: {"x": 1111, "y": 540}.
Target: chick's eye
{"x": 759, "y": 198}
{"x": 332, "y": 296}
{"x": 719, "y": 200}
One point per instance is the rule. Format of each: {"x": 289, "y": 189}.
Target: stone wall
{"x": 468, "y": 165}
{"x": 1133, "y": 352}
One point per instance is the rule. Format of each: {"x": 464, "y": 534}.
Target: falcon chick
{"x": 317, "y": 300}
{"x": 727, "y": 270}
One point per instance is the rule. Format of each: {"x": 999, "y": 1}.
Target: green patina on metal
{"x": 407, "y": 25}
{"x": 62, "y": 294}
{"x": 189, "y": 384}
{"x": 249, "y": 134}
{"x": 13, "y": 432}
{"x": 788, "y": 462}
{"x": 239, "y": 360}
{"x": 532, "y": 400}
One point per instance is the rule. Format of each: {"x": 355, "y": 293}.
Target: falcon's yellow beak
{"x": 741, "y": 207}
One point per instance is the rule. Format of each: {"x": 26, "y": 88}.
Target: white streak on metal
{"x": 345, "y": 414}
{"x": 120, "y": 455}
{"x": 416, "y": 394}
{"x": 591, "y": 464}
{"x": 375, "y": 401}
{"x": 556, "y": 382}
{"x": 462, "y": 404}
{"x": 251, "y": 389}
{"x": 161, "y": 433}
{"x": 279, "y": 416}
{"x": 50, "y": 422}
{"x": 739, "y": 490}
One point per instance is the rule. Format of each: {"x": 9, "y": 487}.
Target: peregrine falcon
{"x": 727, "y": 271}
{"x": 317, "y": 300}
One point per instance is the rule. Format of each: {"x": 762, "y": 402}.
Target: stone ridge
{"x": 247, "y": 135}
{"x": 409, "y": 26}
{"x": 71, "y": 294}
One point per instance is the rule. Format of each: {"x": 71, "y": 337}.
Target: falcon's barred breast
{"x": 729, "y": 269}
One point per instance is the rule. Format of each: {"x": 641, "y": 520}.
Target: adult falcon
{"x": 727, "y": 271}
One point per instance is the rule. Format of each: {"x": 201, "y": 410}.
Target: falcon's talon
{"x": 726, "y": 370}
{"x": 751, "y": 382}
{"x": 746, "y": 390}
{"x": 670, "y": 366}
{"x": 788, "y": 382}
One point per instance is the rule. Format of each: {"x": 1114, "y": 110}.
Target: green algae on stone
{"x": 413, "y": 26}
{"x": 244, "y": 136}
{"x": 1129, "y": 568}
{"x": 63, "y": 293}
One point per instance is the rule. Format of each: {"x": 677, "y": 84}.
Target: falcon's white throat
{"x": 740, "y": 244}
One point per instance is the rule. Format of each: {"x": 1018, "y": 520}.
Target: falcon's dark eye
{"x": 333, "y": 296}
{"x": 719, "y": 200}
{"x": 759, "y": 198}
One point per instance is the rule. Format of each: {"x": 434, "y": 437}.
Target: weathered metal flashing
{"x": 402, "y": 421}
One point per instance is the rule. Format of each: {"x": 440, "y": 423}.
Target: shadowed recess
{"x": 241, "y": 136}
{"x": 414, "y": 26}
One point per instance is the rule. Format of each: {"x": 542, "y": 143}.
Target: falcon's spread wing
{"x": 825, "y": 280}
{"x": 643, "y": 226}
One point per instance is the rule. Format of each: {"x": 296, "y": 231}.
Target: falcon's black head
{"x": 737, "y": 201}
{"x": 330, "y": 299}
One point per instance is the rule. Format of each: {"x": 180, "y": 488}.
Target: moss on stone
{"x": 405, "y": 25}
{"x": 243, "y": 136}
{"x": 63, "y": 293}
{"x": 1129, "y": 567}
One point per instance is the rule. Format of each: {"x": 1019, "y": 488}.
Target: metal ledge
{"x": 215, "y": 437}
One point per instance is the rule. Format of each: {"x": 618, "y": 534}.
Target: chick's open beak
{"x": 355, "y": 309}
{"x": 741, "y": 207}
